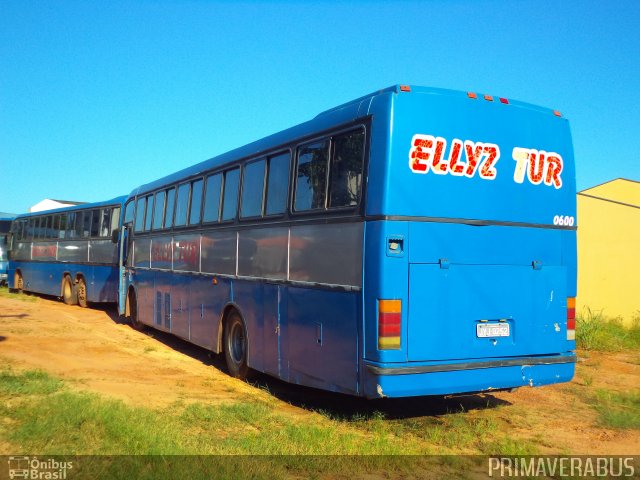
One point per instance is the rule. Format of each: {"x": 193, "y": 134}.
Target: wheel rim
{"x": 237, "y": 343}
{"x": 67, "y": 289}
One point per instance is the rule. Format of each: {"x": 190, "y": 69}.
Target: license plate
{"x": 486, "y": 330}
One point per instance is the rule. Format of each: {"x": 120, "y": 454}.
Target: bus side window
{"x": 105, "y": 222}
{"x": 63, "y": 225}
{"x": 168, "y": 212}
{"x": 196, "y": 202}
{"x": 141, "y": 206}
{"x": 128, "y": 212}
{"x": 158, "y": 210}
{"x": 55, "y": 229}
{"x": 86, "y": 224}
{"x": 71, "y": 225}
{"x": 182, "y": 205}
{"x": 311, "y": 176}
{"x": 47, "y": 227}
{"x": 252, "y": 189}
{"x": 147, "y": 218}
{"x": 230, "y": 195}
{"x": 212, "y": 198}
{"x": 94, "y": 230}
{"x": 277, "y": 184}
{"x": 115, "y": 220}
{"x": 346, "y": 169}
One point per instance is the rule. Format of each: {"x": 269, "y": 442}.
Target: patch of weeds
{"x": 594, "y": 331}
{"x": 15, "y": 295}
{"x": 32, "y": 382}
{"x": 618, "y": 410}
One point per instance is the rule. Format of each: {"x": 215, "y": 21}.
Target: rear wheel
{"x": 18, "y": 282}
{"x": 132, "y": 308}
{"x": 236, "y": 346}
{"x": 68, "y": 295}
{"x": 82, "y": 293}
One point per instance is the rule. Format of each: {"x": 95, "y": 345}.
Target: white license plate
{"x": 485, "y": 330}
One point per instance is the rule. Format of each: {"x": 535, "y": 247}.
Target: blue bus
{"x": 5, "y": 226}
{"x": 67, "y": 252}
{"x": 414, "y": 241}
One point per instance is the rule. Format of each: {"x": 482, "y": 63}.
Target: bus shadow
{"x": 346, "y": 407}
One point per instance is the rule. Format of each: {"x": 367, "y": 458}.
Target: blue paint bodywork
{"x": 472, "y": 250}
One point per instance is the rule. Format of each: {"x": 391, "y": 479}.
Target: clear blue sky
{"x": 97, "y": 97}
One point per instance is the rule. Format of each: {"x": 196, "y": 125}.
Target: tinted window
{"x": 230, "y": 201}
{"x": 346, "y": 169}
{"x": 168, "y": 213}
{"x": 311, "y": 176}
{"x": 71, "y": 225}
{"x": 277, "y": 184}
{"x": 141, "y": 206}
{"x": 158, "y": 210}
{"x": 48, "y": 229}
{"x": 128, "y": 212}
{"x": 212, "y": 198}
{"x": 252, "y": 189}
{"x": 86, "y": 227}
{"x": 105, "y": 222}
{"x": 115, "y": 219}
{"x": 182, "y": 204}
{"x": 30, "y": 229}
{"x": 147, "y": 218}
{"x": 196, "y": 202}
{"x": 63, "y": 225}
{"x": 95, "y": 223}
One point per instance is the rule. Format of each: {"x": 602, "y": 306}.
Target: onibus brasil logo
{"x": 36, "y": 469}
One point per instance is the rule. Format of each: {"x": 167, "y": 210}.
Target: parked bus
{"x": 414, "y": 241}
{"x": 67, "y": 252}
{"x": 5, "y": 225}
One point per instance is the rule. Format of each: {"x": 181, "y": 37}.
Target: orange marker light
{"x": 557, "y": 113}
{"x": 488, "y": 98}
{"x": 405, "y": 88}
{"x": 472, "y": 95}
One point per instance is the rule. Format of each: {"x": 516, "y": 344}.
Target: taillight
{"x": 571, "y": 318}
{"x": 389, "y": 324}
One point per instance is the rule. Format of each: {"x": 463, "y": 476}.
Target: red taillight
{"x": 504, "y": 100}
{"x": 571, "y": 318}
{"x": 389, "y": 324}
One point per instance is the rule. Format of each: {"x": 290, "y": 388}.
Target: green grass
{"x": 594, "y": 331}
{"x": 618, "y": 410}
{"x": 4, "y": 292}
{"x": 42, "y": 415}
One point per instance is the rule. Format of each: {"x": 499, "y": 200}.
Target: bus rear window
{"x": 346, "y": 169}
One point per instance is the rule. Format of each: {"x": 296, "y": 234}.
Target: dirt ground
{"x": 93, "y": 350}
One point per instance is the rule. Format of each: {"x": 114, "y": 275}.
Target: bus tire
{"x": 132, "y": 308}
{"x": 236, "y": 346}
{"x": 18, "y": 282}
{"x": 81, "y": 291}
{"x": 68, "y": 293}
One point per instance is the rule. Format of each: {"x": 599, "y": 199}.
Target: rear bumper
{"x": 393, "y": 380}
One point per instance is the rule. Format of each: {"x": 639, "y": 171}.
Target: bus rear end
{"x": 470, "y": 257}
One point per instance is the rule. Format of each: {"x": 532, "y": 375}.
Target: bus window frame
{"x": 264, "y": 159}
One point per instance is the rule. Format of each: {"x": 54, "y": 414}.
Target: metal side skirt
{"x": 452, "y": 367}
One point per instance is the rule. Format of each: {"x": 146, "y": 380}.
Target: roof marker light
{"x": 488, "y": 98}
{"x": 472, "y": 95}
{"x": 504, "y": 100}
{"x": 405, "y": 88}
{"x": 557, "y": 113}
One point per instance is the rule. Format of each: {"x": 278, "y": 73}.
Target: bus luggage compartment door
{"x": 485, "y": 311}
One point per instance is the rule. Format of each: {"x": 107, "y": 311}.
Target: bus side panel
{"x": 39, "y": 277}
{"x": 104, "y": 284}
{"x": 322, "y": 338}
{"x": 144, "y": 282}
{"x": 207, "y": 300}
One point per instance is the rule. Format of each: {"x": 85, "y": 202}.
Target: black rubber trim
{"x": 453, "y": 367}
{"x": 467, "y": 221}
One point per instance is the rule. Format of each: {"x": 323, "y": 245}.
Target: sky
{"x": 99, "y": 97}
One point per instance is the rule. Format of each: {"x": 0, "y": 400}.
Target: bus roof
{"x": 342, "y": 114}
{"x": 85, "y": 206}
